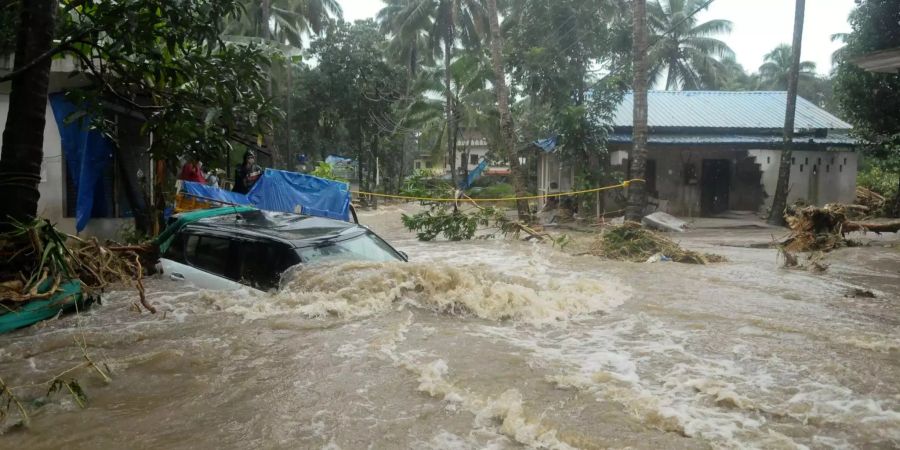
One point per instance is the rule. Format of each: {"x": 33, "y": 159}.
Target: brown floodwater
{"x": 487, "y": 344}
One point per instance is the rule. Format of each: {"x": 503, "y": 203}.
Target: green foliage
{"x": 776, "y": 70}
{"x": 685, "y": 52}
{"x": 164, "y": 62}
{"x": 443, "y": 218}
{"x": 449, "y": 222}
{"x": 876, "y": 177}
{"x": 499, "y": 190}
{"x": 871, "y": 101}
{"x": 554, "y": 49}
{"x": 350, "y": 99}
{"x": 326, "y": 171}
{"x": 423, "y": 184}
{"x": 288, "y": 21}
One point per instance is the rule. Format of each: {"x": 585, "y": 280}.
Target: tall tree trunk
{"x": 637, "y": 191}
{"x": 508, "y": 137}
{"x": 449, "y": 107}
{"x": 266, "y": 34}
{"x": 779, "y": 202}
{"x": 23, "y": 137}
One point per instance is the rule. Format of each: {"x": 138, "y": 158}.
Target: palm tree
{"x": 776, "y": 71}
{"x": 637, "y": 192}
{"x": 841, "y": 53}
{"x": 284, "y": 21}
{"x": 682, "y": 49}
{"x": 506, "y": 125}
{"x": 779, "y": 200}
{"x": 445, "y": 22}
{"x": 473, "y": 104}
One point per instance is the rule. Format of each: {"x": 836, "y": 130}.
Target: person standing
{"x": 247, "y": 173}
{"x": 192, "y": 171}
{"x": 212, "y": 178}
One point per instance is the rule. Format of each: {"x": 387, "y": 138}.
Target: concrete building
{"x": 58, "y": 191}
{"x": 472, "y": 148}
{"x": 709, "y": 152}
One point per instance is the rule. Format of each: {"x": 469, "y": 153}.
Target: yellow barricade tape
{"x": 624, "y": 184}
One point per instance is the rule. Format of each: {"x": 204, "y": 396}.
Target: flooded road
{"x": 489, "y": 344}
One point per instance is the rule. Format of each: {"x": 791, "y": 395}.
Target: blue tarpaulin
{"x": 278, "y": 190}
{"x": 474, "y": 174}
{"x": 204, "y": 192}
{"x": 547, "y": 145}
{"x": 88, "y": 153}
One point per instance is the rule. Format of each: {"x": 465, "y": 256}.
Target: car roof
{"x": 294, "y": 229}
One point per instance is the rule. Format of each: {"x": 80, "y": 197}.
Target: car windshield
{"x": 365, "y": 247}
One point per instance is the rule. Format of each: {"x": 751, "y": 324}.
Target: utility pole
{"x": 637, "y": 191}
{"x": 779, "y": 202}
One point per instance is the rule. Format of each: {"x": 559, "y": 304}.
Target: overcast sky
{"x": 759, "y": 26}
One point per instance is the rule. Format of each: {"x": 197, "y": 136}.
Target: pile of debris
{"x": 824, "y": 229}
{"x": 870, "y": 199}
{"x": 39, "y": 263}
{"x": 631, "y": 242}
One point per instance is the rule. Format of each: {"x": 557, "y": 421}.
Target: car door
{"x": 202, "y": 260}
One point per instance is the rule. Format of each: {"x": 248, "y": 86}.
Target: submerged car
{"x": 229, "y": 248}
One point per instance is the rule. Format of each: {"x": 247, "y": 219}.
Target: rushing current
{"x": 486, "y": 344}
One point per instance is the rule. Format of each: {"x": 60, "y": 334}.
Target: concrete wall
{"x": 816, "y": 177}
{"x": 824, "y": 177}
{"x": 52, "y": 204}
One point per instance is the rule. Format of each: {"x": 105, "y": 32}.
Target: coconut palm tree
{"x": 776, "y": 71}
{"x": 446, "y": 23}
{"x": 779, "y": 200}
{"x": 680, "y": 47}
{"x": 474, "y": 104}
{"x": 284, "y": 21}
{"x": 506, "y": 124}
{"x": 841, "y": 53}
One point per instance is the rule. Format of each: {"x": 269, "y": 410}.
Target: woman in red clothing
{"x": 193, "y": 171}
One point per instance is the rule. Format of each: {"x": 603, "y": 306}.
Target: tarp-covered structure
{"x": 87, "y": 153}
{"x": 279, "y": 190}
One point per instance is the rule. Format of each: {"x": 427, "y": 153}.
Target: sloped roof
{"x": 756, "y": 141}
{"x": 725, "y": 109}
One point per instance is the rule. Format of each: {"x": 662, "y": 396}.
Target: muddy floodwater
{"x": 489, "y": 344}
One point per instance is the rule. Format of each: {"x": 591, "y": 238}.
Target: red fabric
{"x": 190, "y": 172}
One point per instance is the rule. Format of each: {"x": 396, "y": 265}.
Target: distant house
{"x": 472, "y": 148}
{"x": 709, "y": 152}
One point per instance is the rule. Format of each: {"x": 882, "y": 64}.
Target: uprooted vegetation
{"x": 38, "y": 259}
{"x": 824, "y": 229}
{"x": 631, "y": 242}
{"x": 39, "y": 265}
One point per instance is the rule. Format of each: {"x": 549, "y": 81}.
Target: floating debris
{"x": 631, "y": 242}
{"x": 823, "y": 229}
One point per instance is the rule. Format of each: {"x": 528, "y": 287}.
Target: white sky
{"x": 759, "y": 26}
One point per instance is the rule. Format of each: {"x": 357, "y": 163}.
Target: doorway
{"x": 715, "y": 182}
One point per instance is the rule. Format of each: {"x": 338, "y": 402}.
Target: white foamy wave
{"x": 507, "y": 409}
{"x": 359, "y": 289}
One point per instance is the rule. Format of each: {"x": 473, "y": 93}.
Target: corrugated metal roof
{"x": 725, "y": 109}
{"x": 763, "y": 141}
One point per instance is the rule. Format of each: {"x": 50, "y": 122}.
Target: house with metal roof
{"x": 713, "y": 151}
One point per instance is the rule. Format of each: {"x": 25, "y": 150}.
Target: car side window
{"x": 209, "y": 253}
{"x": 262, "y": 263}
{"x": 175, "y": 252}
